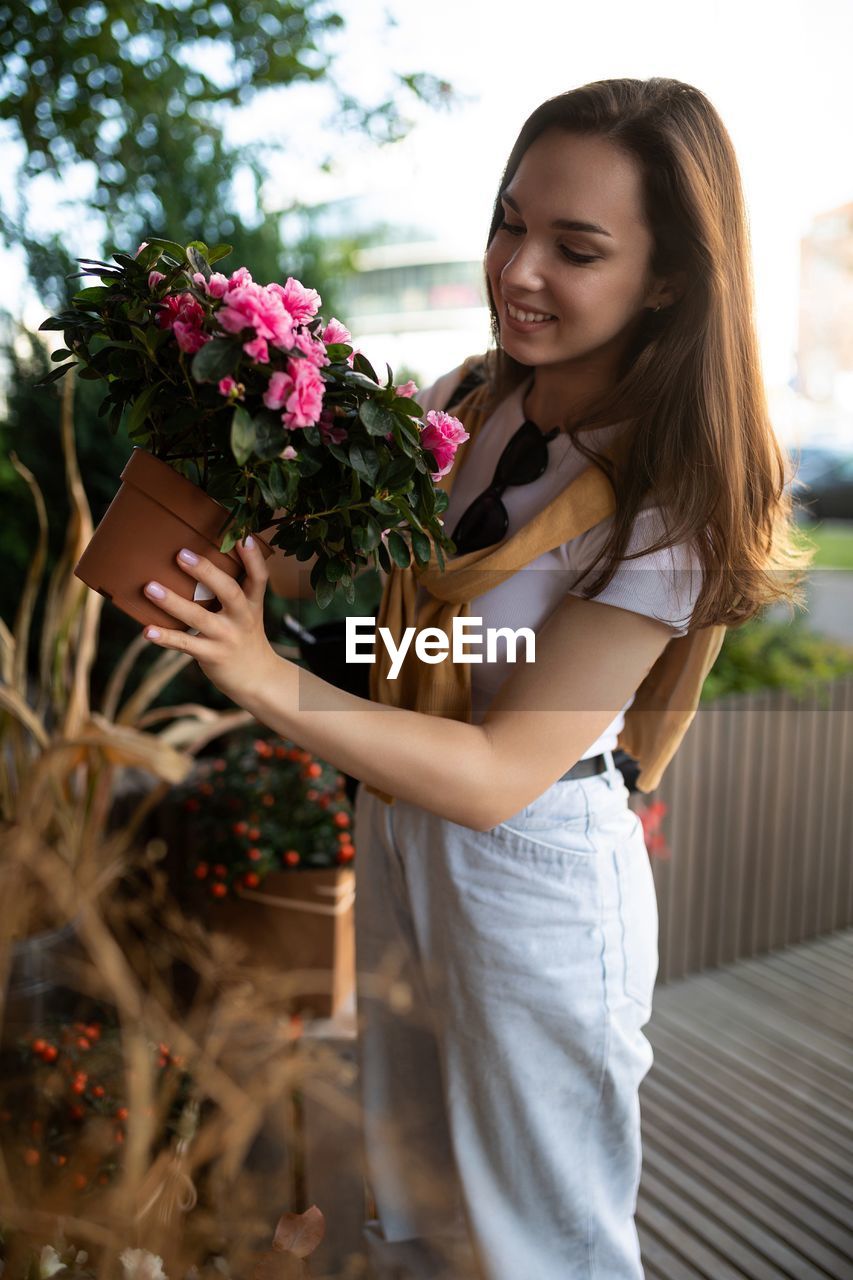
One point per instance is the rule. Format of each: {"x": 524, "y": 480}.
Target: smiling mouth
{"x": 527, "y": 317}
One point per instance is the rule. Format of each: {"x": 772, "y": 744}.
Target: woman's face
{"x": 565, "y": 293}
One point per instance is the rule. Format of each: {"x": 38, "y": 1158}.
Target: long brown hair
{"x": 701, "y": 440}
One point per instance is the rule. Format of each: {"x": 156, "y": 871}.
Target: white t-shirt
{"x": 664, "y": 585}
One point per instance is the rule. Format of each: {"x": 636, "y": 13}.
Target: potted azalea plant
{"x": 247, "y": 411}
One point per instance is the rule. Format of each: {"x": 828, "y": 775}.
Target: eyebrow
{"x": 563, "y": 224}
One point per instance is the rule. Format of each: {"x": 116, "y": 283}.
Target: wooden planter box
{"x": 300, "y": 923}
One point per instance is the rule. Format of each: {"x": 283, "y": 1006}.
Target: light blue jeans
{"x": 504, "y": 978}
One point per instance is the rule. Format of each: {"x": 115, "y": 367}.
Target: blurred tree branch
{"x": 137, "y": 91}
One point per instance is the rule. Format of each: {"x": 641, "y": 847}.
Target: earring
{"x": 657, "y": 308}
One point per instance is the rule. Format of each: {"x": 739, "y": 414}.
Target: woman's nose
{"x": 523, "y": 271}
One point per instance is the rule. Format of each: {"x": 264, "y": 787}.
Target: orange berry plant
{"x": 263, "y": 805}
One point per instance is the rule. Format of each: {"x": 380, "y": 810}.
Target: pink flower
{"x": 144, "y": 245}
{"x": 185, "y": 317}
{"x": 288, "y": 453}
{"x": 302, "y": 303}
{"x": 442, "y": 435}
{"x": 408, "y": 389}
{"x": 180, "y": 306}
{"x": 217, "y": 285}
{"x": 189, "y": 338}
{"x": 200, "y": 282}
{"x": 249, "y": 306}
{"x": 330, "y": 433}
{"x": 335, "y": 332}
{"x": 305, "y": 402}
{"x": 313, "y": 348}
{"x": 154, "y": 278}
{"x": 278, "y": 390}
{"x": 228, "y": 385}
{"x": 239, "y": 278}
{"x": 257, "y": 349}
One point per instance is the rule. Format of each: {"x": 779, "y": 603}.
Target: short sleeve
{"x": 663, "y": 585}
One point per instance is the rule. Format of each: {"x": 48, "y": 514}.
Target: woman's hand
{"x": 231, "y": 646}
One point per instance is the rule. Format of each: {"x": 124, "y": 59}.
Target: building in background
{"x": 410, "y": 297}
{"x": 825, "y": 339}
{"x": 420, "y": 306}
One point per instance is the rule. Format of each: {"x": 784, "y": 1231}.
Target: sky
{"x": 776, "y": 70}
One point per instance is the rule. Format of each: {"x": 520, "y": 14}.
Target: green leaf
{"x": 308, "y": 463}
{"x": 269, "y": 436}
{"x": 324, "y": 593}
{"x": 335, "y": 570}
{"x": 172, "y": 246}
{"x": 215, "y": 360}
{"x": 364, "y": 461}
{"x": 384, "y": 558}
{"x": 398, "y": 549}
{"x": 197, "y": 258}
{"x": 94, "y": 293}
{"x": 405, "y": 404}
{"x": 337, "y": 452}
{"x": 354, "y": 379}
{"x": 420, "y": 546}
{"x": 219, "y": 251}
{"x": 62, "y": 354}
{"x": 338, "y": 352}
{"x": 398, "y": 473}
{"x": 377, "y": 419}
{"x": 56, "y": 374}
{"x": 281, "y": 482}
{"x": 139, "y": 409}
{"x": 372, "y": 534}
{"x": 384, "y": 508}
{"x": 361, "y": 364}
{"x": 242, "y": 435}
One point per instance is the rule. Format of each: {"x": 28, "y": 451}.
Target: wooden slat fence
{"x": 758, "y": 830}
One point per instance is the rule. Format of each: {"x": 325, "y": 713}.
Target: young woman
{"x": 507, "y": 924}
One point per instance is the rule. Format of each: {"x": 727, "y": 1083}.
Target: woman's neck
{"x": 556, "y": 395}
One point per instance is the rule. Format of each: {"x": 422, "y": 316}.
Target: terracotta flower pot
{"x": 301, "y": 924}
{"x": 155, "y": 513}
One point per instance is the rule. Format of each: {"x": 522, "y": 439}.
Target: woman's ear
{"x": 672, "y": 289}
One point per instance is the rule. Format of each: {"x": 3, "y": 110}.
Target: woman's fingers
{"x": 257, "y": 574}
{"x": 194, "y": 615}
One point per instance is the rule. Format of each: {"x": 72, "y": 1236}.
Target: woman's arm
{"x": 590, "y": 659}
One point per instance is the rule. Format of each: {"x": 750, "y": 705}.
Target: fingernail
{"x": 152, "y": 633}
{"x": 249, "y": 542}
{"x": 154, "y": 589}
{"x": 189, "y": 557}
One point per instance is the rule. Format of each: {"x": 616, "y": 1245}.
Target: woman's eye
{"x": 581, "y": 259}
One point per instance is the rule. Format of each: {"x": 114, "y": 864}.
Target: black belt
{"x": 586, "y": 768}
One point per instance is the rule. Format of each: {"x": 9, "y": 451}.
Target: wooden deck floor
{"x": 748, "y": 1120}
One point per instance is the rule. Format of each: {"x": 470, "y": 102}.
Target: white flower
{"x": 139, "y": 1264}
{"x": 49, "y": 1262}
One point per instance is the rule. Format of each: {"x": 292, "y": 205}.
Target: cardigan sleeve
{"x": 663, "y": 584}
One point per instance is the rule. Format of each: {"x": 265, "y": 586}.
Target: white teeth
{"x": 529, "y": 317}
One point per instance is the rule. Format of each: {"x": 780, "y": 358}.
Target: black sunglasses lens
{"x": 525, "y": 457}
{"x": 484, "y": 523}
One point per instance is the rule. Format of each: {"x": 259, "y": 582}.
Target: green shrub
{"x": 775, "y": 655}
